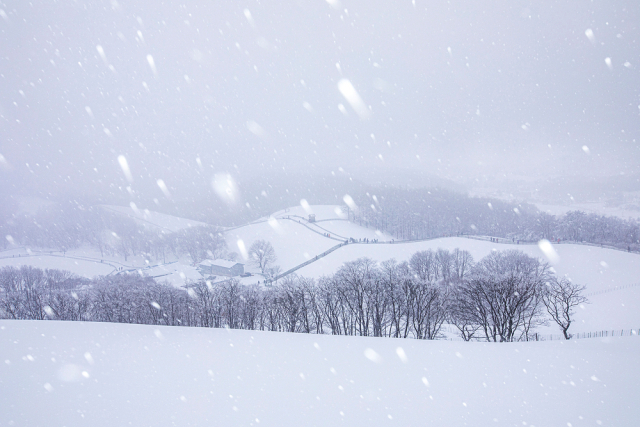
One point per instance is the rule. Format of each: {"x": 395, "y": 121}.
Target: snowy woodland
{"x": 502, "y": 297}
{"x": 61, "y": 228}
{"x": 423, "y": 213}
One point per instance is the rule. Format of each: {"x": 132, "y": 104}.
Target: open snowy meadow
{"x": 98, "y": 374}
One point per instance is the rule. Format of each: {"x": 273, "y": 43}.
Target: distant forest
{"x": 407, "y": 214}
{"x": 65, "y": 227}
{"x": 422, "y": 213}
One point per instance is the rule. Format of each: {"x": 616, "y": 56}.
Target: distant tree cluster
{"x": 424, "y": 213}
{"x": 31, "y": 293}
{"x": 68, "y": 227}
{"x": 262, "y": 255}
{"x": 503, "y": 297}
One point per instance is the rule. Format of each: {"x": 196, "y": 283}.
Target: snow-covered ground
{"x": 292, "y": 241}
{"x": 322, "y": 212}
{"x": 98, "y": 374}
{"x": 81, "y": 267}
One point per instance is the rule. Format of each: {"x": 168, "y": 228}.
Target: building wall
{"x": 236, "y": 270}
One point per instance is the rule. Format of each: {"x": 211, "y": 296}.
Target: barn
{"x": 220, "y": 267}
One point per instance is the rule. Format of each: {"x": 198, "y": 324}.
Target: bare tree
{"x": 251, "y": 307}
{"x": 207, "y": 302}
{"x": 357, "y": 280}
{"x": 462, "y": 316}
{"x": 201, "y": 242}
{"x": 329, "y": 304}
{"x": 272, "y": 273}
{"x": 424, "y": 265}
{"x": 262, "y": 255}
{"x": 560, "y": 297}
{"x": 391, "y": 276}
{"x": 502, "y": 296}
{"x": 428, "y": 305}
{"x": 445, "y": 262}
{"x": 462, "y": 264}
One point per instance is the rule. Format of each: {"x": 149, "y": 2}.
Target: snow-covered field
{"x": 81, "y": 262}
{"x": 294, "y": 239}
{"x": 83, "y": 374}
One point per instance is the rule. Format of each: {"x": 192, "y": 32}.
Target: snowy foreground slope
{"x": 94, "y": 374}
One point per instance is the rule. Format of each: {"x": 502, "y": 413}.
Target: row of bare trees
{"x": 503, "y": 297}
{"x": 64, "y": 227}
{"x": 32, "y": 293}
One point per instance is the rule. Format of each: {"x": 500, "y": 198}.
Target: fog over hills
{"x": 458, "y": 95}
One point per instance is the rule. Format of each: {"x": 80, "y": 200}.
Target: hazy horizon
{"x": 465, "y": 93}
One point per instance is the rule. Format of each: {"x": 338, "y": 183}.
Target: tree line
{"x": 424, "y": 213}
{"x": 63, "y": 228}
{"x": 503, "y": 297}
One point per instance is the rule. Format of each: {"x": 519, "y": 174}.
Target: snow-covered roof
{"x": 219, "y": 263}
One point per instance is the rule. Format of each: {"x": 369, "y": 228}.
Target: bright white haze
{"x": 462, "y": 90}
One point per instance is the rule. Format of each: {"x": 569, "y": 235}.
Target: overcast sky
{"x": 459, "y": 89}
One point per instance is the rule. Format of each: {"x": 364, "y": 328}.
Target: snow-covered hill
{"x": 297, "y": 240}
{"x": 610, "y": 275}
{"x": 153, "y": 220}
{"x": 82, "y": 262}
{"x": 99, "y": 374}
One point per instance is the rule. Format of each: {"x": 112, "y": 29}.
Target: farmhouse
{"x": 220, "y": 267}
